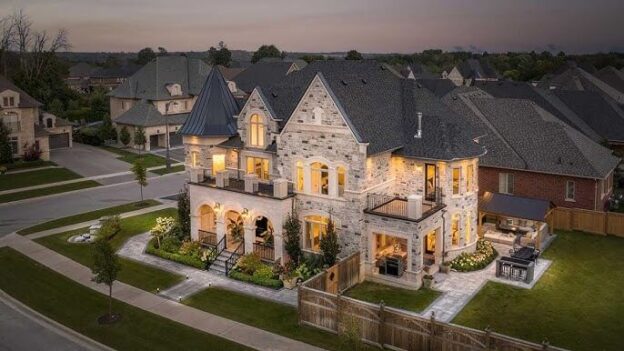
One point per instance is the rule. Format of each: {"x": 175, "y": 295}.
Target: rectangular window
{"x": 456, "y": 180}
{"x": 431, "y": 181}
{"x": 315, "y": 226}
{"x": 5, "y": 101}
{"x": 506, "y": 183}
{"x": 299, "y": 176}
{"x": 455, "y": 231}
{"x": 259, "y": 166}
{"x": 570, "y": 190}
{"x": 218, "y": 163}
{"x": 468, "y": 229}
{"x": 11, "y": 101}
{"x": 341, "y": 180}
{"x": 470, "y": 178}
{"x": 194, "y": 157}
{"x": 14, "y": 141}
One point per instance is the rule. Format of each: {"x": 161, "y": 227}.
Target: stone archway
{"x": 234, "y": 229}
{"x": 207, "y": 231}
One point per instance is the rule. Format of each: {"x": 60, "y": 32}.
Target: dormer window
{"x": 8, "y": 101}
{"x": 317, "y": 115}
{"x": 174, "y": 89}
{"x": 256, "y": 131}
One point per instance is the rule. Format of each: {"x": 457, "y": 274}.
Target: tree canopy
{"x": 220, "y": 55}
{"x": 267, "y": 51}
{"x": 145, "y": 55}
{"x": 353, "y": 55}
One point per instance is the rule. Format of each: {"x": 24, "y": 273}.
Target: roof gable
{"x": 25, "y": 100}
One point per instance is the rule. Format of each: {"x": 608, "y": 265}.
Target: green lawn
{"x": 78, "y": 308}
{"x": 132, "y": 272}
{"x": 149, "y": 160}
{"x": 27, "y": 194}
{"x": 39, "y": 177}
{"x": 411, "y": 300}
{"x": 21, "y": 164}
{"x": 89, "y": 216}
{"x": 577, "y": 304}
{"x": 173, "y": 169}
{"x": 274, "y": 317}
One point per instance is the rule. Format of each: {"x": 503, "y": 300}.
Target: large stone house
{"x": 158, "y": 97}
{"x": 350, "y": 141}
{"x": 29, "y": 125}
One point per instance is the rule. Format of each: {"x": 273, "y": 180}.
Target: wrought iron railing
{"x": 207, "y": 238}
{"x": 216, "y": 251}
{"x": 265, "y": 251}
{"x": 231, "y": 261}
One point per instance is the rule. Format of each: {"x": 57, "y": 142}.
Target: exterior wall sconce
{"x": 245, "y": 213}
{"x": 217, "y": 207}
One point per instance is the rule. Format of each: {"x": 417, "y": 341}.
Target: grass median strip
{"x": 37, "y": 177}
{"x": 48, "y": 191}
{"x": 132, "y": 272}
{"x": 78, "y": 308}
{"x": 89, "y": 216}
{"x": 21, "y": 164}
{"x": 149, "y": 160}
{"x": 173, "y": 169}
{"x": 411, "y": 300}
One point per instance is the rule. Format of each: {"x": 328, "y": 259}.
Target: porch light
{"x": 217, "y": 207}
{"x": 245, "y": 213}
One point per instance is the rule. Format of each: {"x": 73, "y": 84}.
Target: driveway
{"x": 88, "y": 161}
{"x": 177, "y": 154}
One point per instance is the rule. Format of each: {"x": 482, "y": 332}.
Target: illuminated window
{"x": 218, "y": 163}
{"x": 470, "y": 178}
{"x": 256, "y": 131}
{"x": 455, "y": 230}
{"x": 315, "y": 226}
{"x": 456, "y": 177}
{"x": 194, "y": 156}
{"x": 431, "y": 182}
{"x": 320, "y": 178}
{"x": 299, "y": 176}
{"x": 341, "y": 180}
{"x": 430, "y": 242}
{"x": 468, "y": 228}
{"x": 259, "y": 166}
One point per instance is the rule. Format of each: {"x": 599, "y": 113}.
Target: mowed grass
{"x": 149, "y": 160}
{"x": 78, "y": 308}
{"x": 58, "y": 189}
{"x": 38, "y": 177}
{"x": 132, "y": 272}
{"x": 274, "y": 317}
{"x": 411, "y": 300}
{"x": 88, "y": 216}
{"x": 21, "y": 164}
{"x": 578, "y": 304}
{"x": 173, "y": 169}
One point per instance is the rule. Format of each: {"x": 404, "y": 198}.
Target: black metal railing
{"x": 231, "y": 261}
{"x": 265, "y": 251}
{"x": 207, "y": 238}
{"x": 216, "y": 251}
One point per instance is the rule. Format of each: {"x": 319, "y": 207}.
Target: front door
{"x": 430, "y": 242}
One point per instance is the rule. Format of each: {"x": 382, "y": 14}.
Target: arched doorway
{"x": 207, "y": 225}
{"x": 234, "y": 229}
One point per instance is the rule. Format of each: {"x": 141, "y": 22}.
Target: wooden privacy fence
{"x": 322, "y": 306}
{"x": 604, "y": 223}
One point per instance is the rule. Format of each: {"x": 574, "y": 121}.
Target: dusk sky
{"x": 406, "y": 26}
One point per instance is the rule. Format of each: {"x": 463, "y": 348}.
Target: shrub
{"x": 249, "y": 263}
{"x": 110, "y": 227}
{"x": 292, "y": 229}
{"x": 162, "y": 228}
{"x": 184, "y": 213}
{"x": 88, "y": 135}
{"x": 191, "y": 249}
{"x": 306, "y": 272}
{"x": 263, "y": 272}
{"x": 483, "y": 256}
{"x": 171, "y": 244}
{"x": 270, "y": 283}
{"x": 186, "y": 260}
{"x": 32, "y": 153}
{"x": 329, "y": 244}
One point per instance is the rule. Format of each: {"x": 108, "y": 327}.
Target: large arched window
{"x": 320, "y": 178}
{"x": 256, "y": 131}
{"x": 341, "y": 175}
{"x": 455, "y": 230}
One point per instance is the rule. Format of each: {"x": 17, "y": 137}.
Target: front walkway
{"x": 459, "y": 288}
{"x": 199, "y": 279}
{"x": 203, "y": 321}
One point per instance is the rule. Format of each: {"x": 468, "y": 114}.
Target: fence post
{"x": 432, "y": 331}
{"x": 488, "y": 333}
{"x": 382, "y": 321}
{"x": 545, "y": 344}
{"x": 299, "y": 311}
{"x": 338, "y": 312}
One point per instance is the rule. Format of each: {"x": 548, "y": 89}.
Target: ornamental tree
{"x": 329, "y": 245}
{"x": 163, "y": 227}
{"x": 105, "y": 268}
{"x": 292, "y": 237}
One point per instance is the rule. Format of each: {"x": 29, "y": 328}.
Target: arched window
{"x": 341, "y": 175}
{"x": 315, "y": 226}
{"x": 455, "y": 230}
{"x": 256, "y": 131}
{"x": 320, "y": 178}
{"x": 299, "y": 177}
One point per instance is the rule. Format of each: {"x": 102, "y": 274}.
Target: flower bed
{"x": 175, "y": 256}
{"x": 254, "y": 279}
{"x": 251, "y": 269}
{"x": 483, "y": 256}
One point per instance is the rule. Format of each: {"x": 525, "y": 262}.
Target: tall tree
{"x": 162, "y": 51}
{"x": 105, "y": 268}
{"x": 267, "y": 51}
{"x": 145, "y": 56}
{"x": 140, "y": 174}
{"x": 6, "y": 152}
{"x": 124, "y": 136}
{"x": 329, "y": 244}
{"x": 292, "y": 228}
{"x": 107, "y": 131}
{"x": 139, "y": 138}
{"x": 354, "y": 55}
{"x": 184, "y": 212}
{"x": 220, "y": 55}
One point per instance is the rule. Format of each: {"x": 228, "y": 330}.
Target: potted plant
{"x": 445, "y": 267}
{"x": 290, "y": 276}
{"x": 428, "y": 281}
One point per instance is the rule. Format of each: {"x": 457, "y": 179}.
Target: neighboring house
{"x": 79, "y": 76}
{"x": 29, "y": 125}
{"x": 471, "y": 70}
{"x": 350, "y": 141}
{"x": 228, "y": 74}
{"x": 158, "y": 98}
{"x": 263, "y": 73}
{"x": 416, "y": 71}
{"x": 439, "y": 87}
{"x": 531, "y": 153}
{"x": 84, "y": 77}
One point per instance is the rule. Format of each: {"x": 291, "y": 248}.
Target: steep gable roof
{"x": 262, "y": 74}
{"x": 145, "y": 114}
{"x": 477, "y": 69}
{"x": 612, "y": 76}
{"x": 214, "y": 111}
{"x": 438, "y": 86}
{"x": 150, "y": 82}
{"x": 576, "y": 78}
{"x": 25, "y": 100}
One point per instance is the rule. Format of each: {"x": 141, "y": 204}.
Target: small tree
{"x": 354, "y": 55}
{"x": 107, "y": 131}
{"x": 105, "y": 267}
{"x": 140, "y": 174}
{"x": 292, "y": 228}
{"x": 124, "y": 136}
{"x": 139, "y": 138}
{"x": 6, "y": 152}
{"x": 329, "y": 244}
{"x": 163, "y": 226}
{"x": 184, "y": 212}
{"x": 145, "y": 55}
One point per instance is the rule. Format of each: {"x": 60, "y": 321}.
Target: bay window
{"x": 470, "y": 178}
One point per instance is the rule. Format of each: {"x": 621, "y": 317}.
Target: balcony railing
{"x": 238, "y": 181}
{"x": 264, "y": 251}
{"x": 207, "y": 238}
{"x": 398, "y": 207}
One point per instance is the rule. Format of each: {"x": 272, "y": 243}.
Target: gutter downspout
{"x": 595, "y": 194}
{"x": 443, "y": 234}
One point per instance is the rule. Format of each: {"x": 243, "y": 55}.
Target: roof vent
{"x": 343, "y": 82}
{"x": 364, "y": 81}
{"x": 418, "y": 134}
{"x": 274, "y": 94}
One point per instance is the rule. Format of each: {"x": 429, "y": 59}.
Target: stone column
{"x": 195, "y": 224}
{"x": 307, "y": 179}
{"x": 414, "y": 206}
{"x": 278, "y": 243}
{"x": 220, "y": 222}
{"x": 250, "y": 233}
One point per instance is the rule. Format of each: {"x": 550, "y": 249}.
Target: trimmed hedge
{"x": 481, "y": 258}
{"x": 186, "y": 260}
{"x": 248, "y": 278}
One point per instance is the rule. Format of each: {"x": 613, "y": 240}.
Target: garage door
{"x": 58, "y": 141}
{"x": 175, "y": 139}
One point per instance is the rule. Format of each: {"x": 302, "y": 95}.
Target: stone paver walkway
{"x": 206, "y": 322}
{"x": 199, "y": 279}
{"x": 459, "y": 288}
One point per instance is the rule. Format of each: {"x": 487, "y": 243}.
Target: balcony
{"x": 412, "y": 208}
{"x": 237, "y": 181}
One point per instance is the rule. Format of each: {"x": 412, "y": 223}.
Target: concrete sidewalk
{"x": 206, "y": 322}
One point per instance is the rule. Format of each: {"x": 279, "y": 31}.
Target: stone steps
{"x": 218, "y": 266}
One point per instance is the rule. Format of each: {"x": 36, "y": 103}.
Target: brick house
{"x": 348, "y": 140}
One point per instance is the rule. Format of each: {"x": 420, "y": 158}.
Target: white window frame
{"x": 257, "y": 131}
{"x": 459, "y": 176}
{"x": 570, "y": 185}
{"x": 506, "y": 183}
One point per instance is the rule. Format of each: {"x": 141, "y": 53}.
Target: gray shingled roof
{"x": 145, "y": 114}
{"x": 150, "y": 82}
{"x": 437, "y": 86}
{"x": 515, "y": 206}
{"x": 25, "y": 99}
{"x": 478, "y": 69}
{"x": 261, "y": 74}
{"x": 612, "y": 76}
{"x": 214, "y": 111}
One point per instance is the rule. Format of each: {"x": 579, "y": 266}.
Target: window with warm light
{"x": 259, "y": 166}
{"x": 456, "y": 179}
{"x": 341, "y": 175}
{"x": 300, "y": 176}
{"x": 218, "y": 163}
{"x": 194, "y": 156}
{"x": 320, "y": 178}
{"x": 455, "y": 230}
{"x": 470, "y": 178}
{"x": 256, "y": 131}
{"x": 315, "y": 227}
{"x": 431, "y": 181}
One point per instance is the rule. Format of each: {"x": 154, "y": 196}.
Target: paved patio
{"x": 199, "y": 279}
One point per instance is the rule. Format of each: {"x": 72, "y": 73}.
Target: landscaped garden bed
{"x": 411, "y": 300}
{"x": 173, "y": 250}
{"x": 481, "y": 258}
{"x": 250, "y": 268}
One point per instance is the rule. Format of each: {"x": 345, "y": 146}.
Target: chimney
{"x": 418, "y": 134}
